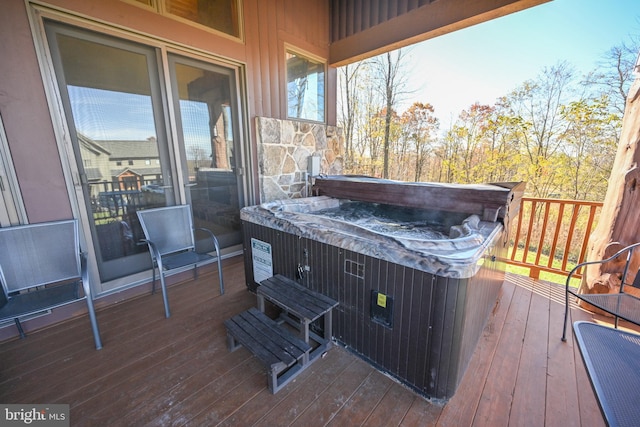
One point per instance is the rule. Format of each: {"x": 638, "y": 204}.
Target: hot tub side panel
{"x": 482, "y": 295}
{"x": 283, "y": 246}
{"x": 417, "y": 346}
{"x": 436, "y": 321}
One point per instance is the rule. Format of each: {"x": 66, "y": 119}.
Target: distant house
{"x": 123, "y": 165}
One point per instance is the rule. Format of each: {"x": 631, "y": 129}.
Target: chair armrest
{"x": 213, "y": 238}
{"x": 628, "y": 249}
{"x": 153, "y": 249}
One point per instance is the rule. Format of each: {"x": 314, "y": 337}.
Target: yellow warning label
{"x": 382, "y": 300}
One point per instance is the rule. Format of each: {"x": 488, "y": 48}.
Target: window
{"x": 219, "y": 15}
{"x": 305, "y": 88}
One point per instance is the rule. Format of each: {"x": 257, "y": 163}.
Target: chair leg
{"x": 153, "y": 283}
{"x": 217, "y": 246}
{"x": 566, "y": 316}
{"x": 94, "y": 323}
{"x": 220, "y": 276}
{"x": 20, "y": 330}
{"x": 165, "y": 298}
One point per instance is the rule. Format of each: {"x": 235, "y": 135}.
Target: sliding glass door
{"x": 127, "y": 158}
{"x": 204, "y": 99}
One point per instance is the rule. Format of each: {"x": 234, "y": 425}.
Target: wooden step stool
{"x": 283, "y": 354}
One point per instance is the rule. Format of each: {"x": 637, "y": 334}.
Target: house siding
{"x": 31, "y": 134}
{"x": 35, "y": 137}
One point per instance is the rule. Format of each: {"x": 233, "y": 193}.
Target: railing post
{"x": 534, "y": 272}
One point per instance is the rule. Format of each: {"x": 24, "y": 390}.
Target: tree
{"x": 419, "y": 128}
{"x": 373, "y": 137}
{"x": 551, "y": 132}
{"x": 503, "y": 157}
{"x": 537, "y": 104}
{"x": 365, "y": 133}
{"x": 350, "y": 105}
{"x": 470, "y": 130}
{"x": 391, "y": 83}
{"x": 589, "y": 146}
{"x": 615, "y": 73}
{"x": 619, "y": 223}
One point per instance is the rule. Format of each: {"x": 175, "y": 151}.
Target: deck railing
{"x": 551, "y": 235}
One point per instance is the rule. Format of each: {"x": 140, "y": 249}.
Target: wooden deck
{"x": 177, "y": 371}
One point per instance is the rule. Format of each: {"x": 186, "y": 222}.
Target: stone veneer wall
{"x": 284, "y": 147}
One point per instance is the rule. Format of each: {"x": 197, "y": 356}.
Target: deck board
{"x": 362, "y": 403}
{"x": 501, "y": 380}
{"x": 322, "y": 410}
{"x": 530, "y": 388}
{"x": 307, "y": 392}
{"x": 393, "y": 407}
{"x": 462, "y": 407}
{"x": 157, "y": 371}
{"x": 561, "y": 393}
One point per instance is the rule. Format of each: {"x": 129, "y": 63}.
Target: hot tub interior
{"x": 394, "y": 220}
{"x": 416, "y": 279}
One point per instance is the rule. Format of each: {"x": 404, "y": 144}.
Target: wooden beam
{"x": 429, "y": 21}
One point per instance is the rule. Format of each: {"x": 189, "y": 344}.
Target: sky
{"x": 486, "y": 61}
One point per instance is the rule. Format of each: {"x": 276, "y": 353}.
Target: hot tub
{"x": 415, "y": 284}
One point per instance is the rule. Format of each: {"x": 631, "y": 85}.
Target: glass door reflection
{"x": 207, "y": 127}
{"x": 112, "y": 91}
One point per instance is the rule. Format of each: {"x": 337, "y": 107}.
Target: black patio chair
{"x": 612, "y": 359}
{"x": 170, "y": 235}
{"x": 621, "y": 305}
{"x": 42, "y": 268}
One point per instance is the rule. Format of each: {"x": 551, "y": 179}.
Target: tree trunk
{"x": 619, "y": 223}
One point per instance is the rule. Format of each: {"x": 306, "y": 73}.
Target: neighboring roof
{"x": 91, "y": 145}
{"x": 93, "y": 174}
{"x": 131, "y": 149}
{"x": 137, "y": 171}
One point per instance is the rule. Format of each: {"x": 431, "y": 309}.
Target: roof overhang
{"x": 434, "y": 19}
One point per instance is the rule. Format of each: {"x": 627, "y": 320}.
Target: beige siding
{"x": 26, "y": 119}
{"x": 268, "y": 24}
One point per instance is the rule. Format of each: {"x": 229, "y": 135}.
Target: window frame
{"x": 160, "y": 7}
{"x": 292, "y": 50}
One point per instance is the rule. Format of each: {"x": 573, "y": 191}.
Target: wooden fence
{"x": 551, "y": 235}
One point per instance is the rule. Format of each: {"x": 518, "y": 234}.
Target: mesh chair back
{"x": 39, "y": 254}
{"x": 170, "y": 228}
